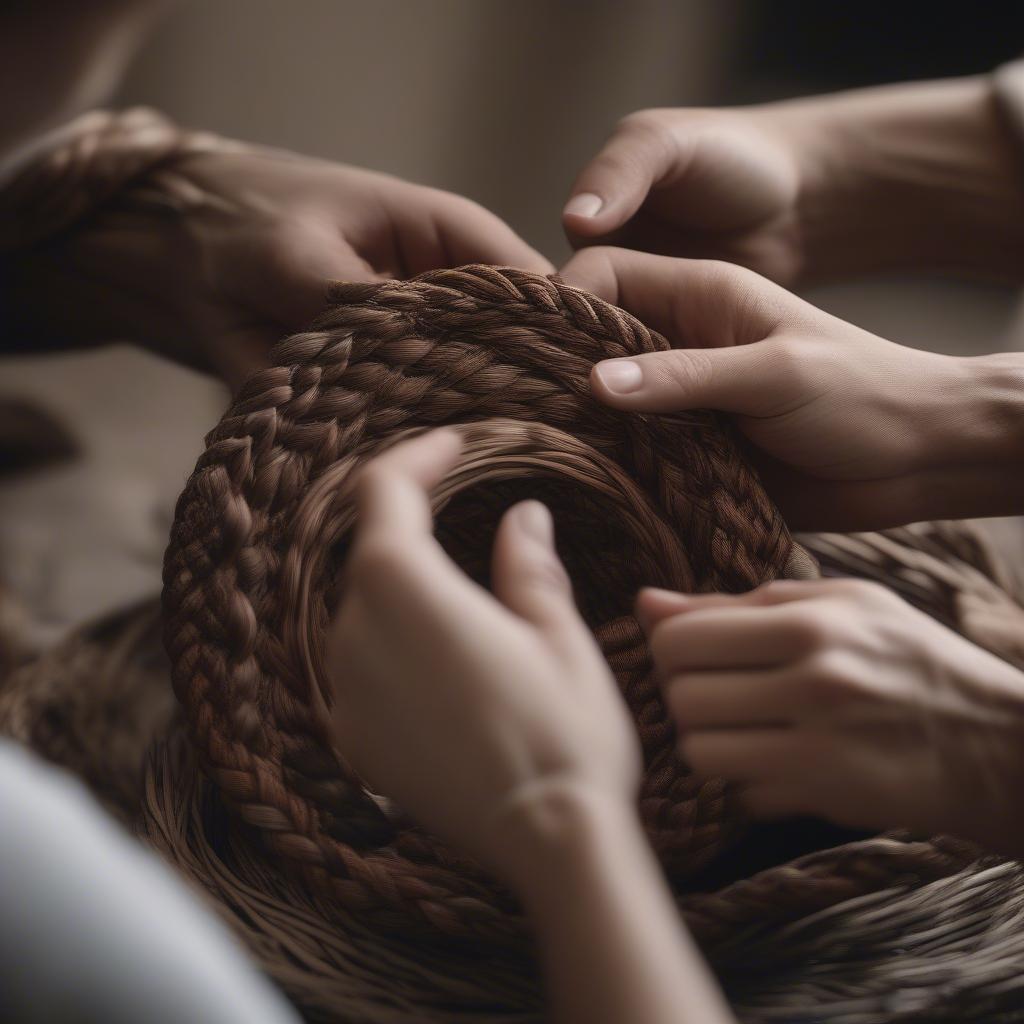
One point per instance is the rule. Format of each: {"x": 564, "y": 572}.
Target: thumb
{"x": 614, "y": 185}
{"x": 530, "y": 580}
{"x": 742, "y": 379}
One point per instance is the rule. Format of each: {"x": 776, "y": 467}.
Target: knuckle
{"x": 684, "y": 370}
{"x": 834, "y": 679}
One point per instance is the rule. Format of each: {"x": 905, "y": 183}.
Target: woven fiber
{"x": 260, "y": 530}
{"x": 941, "y": 944}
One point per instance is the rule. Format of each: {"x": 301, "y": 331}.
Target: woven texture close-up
{"x": 257, "y": 554}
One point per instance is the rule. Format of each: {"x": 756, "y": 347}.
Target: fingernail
{"x": 586, "y": 204}
{"x": 535, "y": 521}
{"x": 619, "y": 376}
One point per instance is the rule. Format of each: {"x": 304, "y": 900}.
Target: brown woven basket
{"x": 260, "y": 532}
{"x": 370, "y": 917}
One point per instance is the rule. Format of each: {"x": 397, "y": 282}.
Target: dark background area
{"x": 824, "y": 46}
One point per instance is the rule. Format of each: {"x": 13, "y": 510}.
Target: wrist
{"x": 973, "y": 441}
{"x": 993, "y": 417}
{"x": 548, "y": 829}
{"x": 921, "y": 176}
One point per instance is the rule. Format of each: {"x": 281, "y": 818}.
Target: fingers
{"x": 748, "y": 380}
{"x": 731, "y": 638}
{"x": 736, "y": 699}
{"x": 696, "y": 303}
{"x": 614, "y": 185}
{"x": 530, "y": 580}
{"x": 392, "y": 490}
{"x": 286, "y": 274}
{"x": 467, "y": 233}
{"x": 718, "y": 315}
{"x": 654, "y": 604}
{"x": 744, "y": 755}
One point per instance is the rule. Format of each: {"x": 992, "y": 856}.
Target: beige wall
{"x": 500, "y": 100}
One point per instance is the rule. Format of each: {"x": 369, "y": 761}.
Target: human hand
{"x": 919, "y": 175}
{"x": 724, "y": 184}
{"x": 480, "y": 715}
{"x": 849, "y": 431}
{"x": 836, "y": 699}
{"x": 217, "y": 255}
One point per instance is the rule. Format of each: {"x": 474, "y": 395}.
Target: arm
{"x": 534, "y": 762}
{"x": 920, "y": 176}
{"x": 612, "y": 943}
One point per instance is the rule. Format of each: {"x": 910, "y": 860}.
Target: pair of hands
{"x": 845, "y": 703}
{"x": 832, "y": 698}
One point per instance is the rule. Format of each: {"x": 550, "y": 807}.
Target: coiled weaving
{"x": 258, "y": 547}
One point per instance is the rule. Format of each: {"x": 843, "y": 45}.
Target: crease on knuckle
{"x": 687, "y": 371}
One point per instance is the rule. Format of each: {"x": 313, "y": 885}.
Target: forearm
{"x": 919, "y": 176}
{"x": 613, "y": 944}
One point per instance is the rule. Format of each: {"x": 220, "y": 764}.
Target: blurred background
{"x": 501, "y": 101}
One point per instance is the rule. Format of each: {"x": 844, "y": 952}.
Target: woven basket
{"x": 252, "y": 575}
{"x": 947, "y": 949}
{"x": 260, "y": 531}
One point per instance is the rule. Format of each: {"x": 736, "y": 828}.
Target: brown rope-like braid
{"x": 254, "y": 562}
{"x": 87, "y": 163}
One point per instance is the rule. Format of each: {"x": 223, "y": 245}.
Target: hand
{"x": 714, "y": 183}
{"x": 491, "y": 709}
{"x": 848, "y": 431}
{"x": 837, "y": 699}
{"x": 222, "y": 254}
{"x": 914, "y": 176}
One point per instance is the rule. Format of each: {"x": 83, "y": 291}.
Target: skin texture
{"x": 849, "y": 431}
{"x": 918, "y": 176}
{"x": 517, "y": 748}
{"x": 837, "y": 699}
{"x": 243, "y": 256}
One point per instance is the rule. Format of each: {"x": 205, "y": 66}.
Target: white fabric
{"x": 93, "y": 928}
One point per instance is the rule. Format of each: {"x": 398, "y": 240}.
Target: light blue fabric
{"x": 94, "y": 928}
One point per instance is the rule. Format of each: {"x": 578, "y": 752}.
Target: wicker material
{"x": 875, "y": 930}
{"x": 91, "y": 160}
{"x": 260, "y": 531}
{"x": 367, "y": 924}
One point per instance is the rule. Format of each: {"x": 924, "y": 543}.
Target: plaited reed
{"x": 95, "y": 158}
{"x": 884, "y": 929}
{"x": 257, "y": 551}
{"x": 925, "y": 947}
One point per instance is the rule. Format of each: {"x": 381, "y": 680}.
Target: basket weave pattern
{"x": 254, "y": 562}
